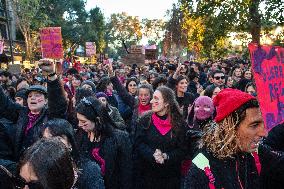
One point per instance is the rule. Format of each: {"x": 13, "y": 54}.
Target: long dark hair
{"x": 93, "y": 110}
{"x": 103, "y": 83}
{"x": 61, "y": 127}
{"x": 174, "y": 110}
{"x": 51, "y": 162}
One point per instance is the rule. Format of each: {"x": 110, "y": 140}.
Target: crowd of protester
{"x": 161, "y": 125}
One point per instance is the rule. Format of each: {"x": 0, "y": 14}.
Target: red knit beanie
{"x": 229, "y": 100}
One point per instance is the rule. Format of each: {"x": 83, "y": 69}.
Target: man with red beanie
{"x": 228, "y": 145}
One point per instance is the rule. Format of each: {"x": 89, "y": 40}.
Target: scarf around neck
{"x": 163, "y": 126}
{"x": 143, "y": 108}
{"x": 32, "y": 120}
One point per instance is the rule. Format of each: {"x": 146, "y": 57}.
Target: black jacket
{"x": 131, "y": 102}
{"x": 271, "y": 155}
{"x": 229, "y": 173}
{"x": 185, "y": 101}
{"x": 57, "y": 106}
{"x": 89, "y": 176}
{"x": 147, "y": 140}
{"x": 116, "y": 150}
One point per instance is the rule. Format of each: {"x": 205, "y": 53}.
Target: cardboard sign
{"x": 151, "y": 54}
{"x": 136, "y": 49}
{"x": 51, "y": 42}
{"x": 130, "y": 59}
{"x": 268, "y": 69}
{"x": 90, "y": 49}
{"x": 14, "y": 68}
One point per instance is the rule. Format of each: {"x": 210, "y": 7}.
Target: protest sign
{"x": 151, "y": 54}
{"x": 51, "y": 42}
{"x": 90, "y": 49}
{"x": 268, "y": 69}
{"x": 130, "y": 59}
{"x": 136, "y": 49}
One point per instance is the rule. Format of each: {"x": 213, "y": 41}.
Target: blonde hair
{"x": 221, "y": 138}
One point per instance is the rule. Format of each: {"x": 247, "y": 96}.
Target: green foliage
{"x": 219, "y": 18}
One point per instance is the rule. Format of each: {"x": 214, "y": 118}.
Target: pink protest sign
{"x": 51, "y": 42}
{"x": 90, "y": 49}
{"x": 268, "y": 69}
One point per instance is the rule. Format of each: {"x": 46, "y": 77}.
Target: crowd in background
{"x": 116, "y": 125}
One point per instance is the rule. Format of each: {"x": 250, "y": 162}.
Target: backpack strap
{"x": 203, "y": 163}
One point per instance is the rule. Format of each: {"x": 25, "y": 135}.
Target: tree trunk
{"x": 27, "y": 46}
{"x": 255, "y": 21}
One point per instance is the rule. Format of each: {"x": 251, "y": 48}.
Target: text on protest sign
{"x": 90, "y": 49}
{"x": 51, "y": 42}
{"x": 268, "y": 69}
{"x": 151, "y": 54}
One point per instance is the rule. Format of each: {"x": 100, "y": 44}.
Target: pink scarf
{"x": 100, "y": 160}
{"x": 163, "y": 126}
{"x": 32, "y": 120}
{"x": 143, "y": 108}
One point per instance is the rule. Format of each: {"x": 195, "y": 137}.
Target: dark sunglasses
{"x": 218, "y": 77}
{"x": 19, "y": 182}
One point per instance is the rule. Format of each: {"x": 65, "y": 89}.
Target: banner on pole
{"x": 51, "y": 42}
{"x": 268, "y": 68}
{"x": 90, "y": 49}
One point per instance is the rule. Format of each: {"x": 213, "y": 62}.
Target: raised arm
{"x": 120, "y": 89}
{"x": 57, "y": 102}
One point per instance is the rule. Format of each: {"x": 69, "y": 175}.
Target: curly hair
{"x": 221, "y": 138}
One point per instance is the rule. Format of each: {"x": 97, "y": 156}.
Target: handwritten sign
{"x": 136, "y": 49}
{"x": 90, "y": 49}
{"x": 151, "y": 54}
{"x": 268, "y": 69}
{"x": 51, "y": 42}
{"x": 130, "y": 59}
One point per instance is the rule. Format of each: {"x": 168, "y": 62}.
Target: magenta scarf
{"x": 100, "y": 160}
{"x": 32, "y": 120}
{"x": 143, "y": 108}
{"x": 163, "y": 126}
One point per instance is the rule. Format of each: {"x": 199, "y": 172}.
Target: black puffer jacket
{"x": 116, "y": 150}
{"x": 232, "y": 173}
{"x": 57, "y": 107}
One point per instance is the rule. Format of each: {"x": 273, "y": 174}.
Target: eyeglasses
{"x": 218, "y": 77}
